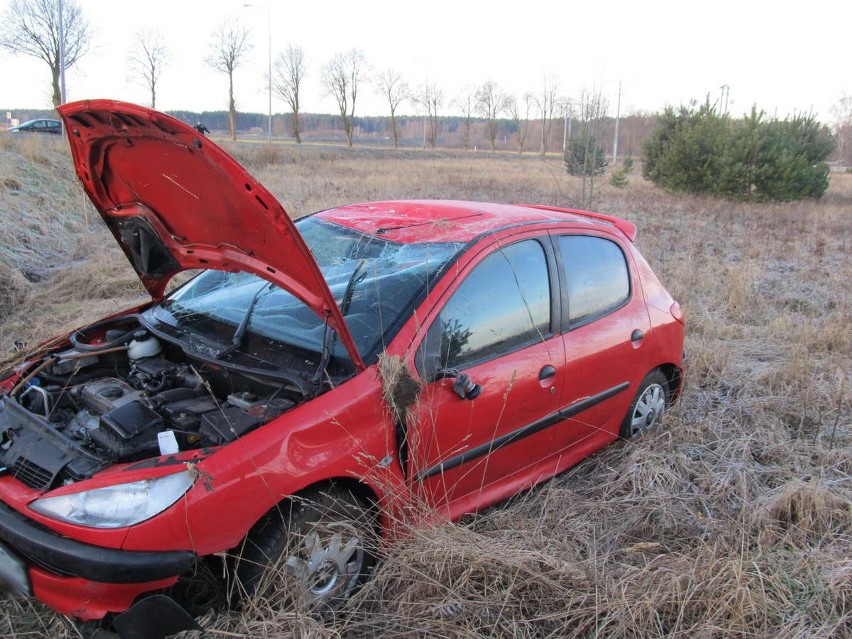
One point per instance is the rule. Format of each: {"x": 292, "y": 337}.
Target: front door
{"x": 493, "y": 369}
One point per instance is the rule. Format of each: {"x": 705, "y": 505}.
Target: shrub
{"x": 699, "y": 151}
{"x": 618, "y": 179}
{"x": 584, "y": 155}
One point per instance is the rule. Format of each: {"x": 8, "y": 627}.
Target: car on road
{"x": 41, "y": 125}
{"x": 314, "y": 389}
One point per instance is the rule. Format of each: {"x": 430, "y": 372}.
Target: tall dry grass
{"x": 733, "y": 520}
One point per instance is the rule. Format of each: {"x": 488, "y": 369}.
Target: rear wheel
{"x": 648, "y": 407}
{"x": 312, "y": 554}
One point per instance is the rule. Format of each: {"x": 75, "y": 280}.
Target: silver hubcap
{"x": 327, "y": 563}
{"x": 649, "y": 409}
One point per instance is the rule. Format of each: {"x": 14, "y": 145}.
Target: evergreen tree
{"x": 584, "y": 155}
{"x": 699, "y": 151}
{"x": 618, "y": 178}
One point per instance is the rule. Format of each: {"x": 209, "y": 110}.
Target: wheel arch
{"x": 359, "y": 489}
{"x": 674, "y": 377}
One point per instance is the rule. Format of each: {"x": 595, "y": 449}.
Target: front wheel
{"x": 312, "y": 554}
{"x": 648, "y": 407}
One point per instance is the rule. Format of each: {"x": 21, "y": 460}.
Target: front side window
{"x": 502, "y": 304}
{"x": 596, "y": 274}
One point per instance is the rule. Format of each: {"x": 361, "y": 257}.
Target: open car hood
{"x": 176, "y": 201}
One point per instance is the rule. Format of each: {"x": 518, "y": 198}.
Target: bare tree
{"x": 490, "y": 103}
{"x": 431, "y": 98}
{"x": 546, "y": 102}
{"x": 584, "y": 156}
{"x": 465, "y": 101}
{"x": 519, "y": 111}
{"x": 287, "y": 77}
{"x": 228, "y": 51}
{"x": 342, "y": 76}
{"x": 394, "y": 89}
{"x": 146, "y": 59}
{"x": 31, "y": 27}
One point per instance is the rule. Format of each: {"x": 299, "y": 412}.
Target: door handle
{"x": 636, "y": 335}
{"x": 463, "y": 386}
{"x": 546, "y": 373}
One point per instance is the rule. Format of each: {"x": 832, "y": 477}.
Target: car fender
{"x": 346, "y": 432}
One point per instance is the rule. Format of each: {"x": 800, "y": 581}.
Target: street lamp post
{"x": 269, "y": 68}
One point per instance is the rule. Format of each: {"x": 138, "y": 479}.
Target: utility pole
{"x": 723, "y": 99}
{"x": 566, "y": 126}
{"x": 615, "y": 137}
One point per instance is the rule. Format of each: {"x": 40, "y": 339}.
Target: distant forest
{"x": 633, "y": 130}
{"x": 375, "y": 130}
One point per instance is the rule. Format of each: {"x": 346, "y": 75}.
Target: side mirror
{"x": 427, "y": 360}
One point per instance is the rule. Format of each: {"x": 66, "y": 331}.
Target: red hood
{"x": 176, "y": 201}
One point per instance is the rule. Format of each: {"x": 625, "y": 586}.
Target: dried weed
{"x": 400, "y": 388}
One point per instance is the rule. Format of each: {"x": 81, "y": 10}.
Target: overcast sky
{"x": 785, "y": 57}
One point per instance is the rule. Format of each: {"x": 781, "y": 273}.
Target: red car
{"x": 316, "y": 388}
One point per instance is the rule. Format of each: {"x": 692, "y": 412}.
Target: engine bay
{"x": 81, "y": 410}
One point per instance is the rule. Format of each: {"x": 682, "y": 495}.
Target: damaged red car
{"x": 312, "y": 389}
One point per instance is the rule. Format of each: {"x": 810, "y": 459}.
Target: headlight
{"x": 119, "y": 505}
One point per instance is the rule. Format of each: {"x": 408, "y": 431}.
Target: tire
{"x": 648, "y": 407}
{"x": 311, "y": 554}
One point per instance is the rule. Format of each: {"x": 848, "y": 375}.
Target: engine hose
{"x": 77, "y": 335}
{"x": 51, "y": 359}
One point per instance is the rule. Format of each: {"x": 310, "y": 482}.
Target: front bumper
{"x": 83, "y": 580}
{"x": 67, "y": 557}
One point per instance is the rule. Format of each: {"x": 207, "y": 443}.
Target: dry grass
{"x": 734, "y": 520}
{"x": 400, "y": 388}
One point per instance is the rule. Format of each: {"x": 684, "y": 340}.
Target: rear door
{"x": 605, "y": 323}
{"x": 474, "y": 444}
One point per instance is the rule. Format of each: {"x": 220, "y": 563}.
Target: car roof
{"x": 411, "y": 221}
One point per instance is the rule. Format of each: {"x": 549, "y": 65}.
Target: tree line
{"x": 693, "y": 149}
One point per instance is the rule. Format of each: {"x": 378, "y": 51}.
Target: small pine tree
{"x": 618, "y": 179}
{"x": 584, "y": 155}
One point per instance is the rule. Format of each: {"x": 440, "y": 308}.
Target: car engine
{"x": 84, "y": 411}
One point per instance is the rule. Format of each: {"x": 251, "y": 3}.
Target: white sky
{"x": 783, "y": 56}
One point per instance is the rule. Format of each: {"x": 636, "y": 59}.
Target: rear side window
{"x": 503, "y": 304}
{"x": 596, "y": 274}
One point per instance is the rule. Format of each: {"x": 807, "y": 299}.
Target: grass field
{"x": 733, "y": 520}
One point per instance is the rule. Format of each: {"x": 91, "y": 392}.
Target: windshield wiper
{"x": 242, "y": 329}
{"x": 354, "y": 279}
{"x": 329, "y": 337}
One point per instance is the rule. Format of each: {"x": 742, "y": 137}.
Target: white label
{"x": 168, "y": 442}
